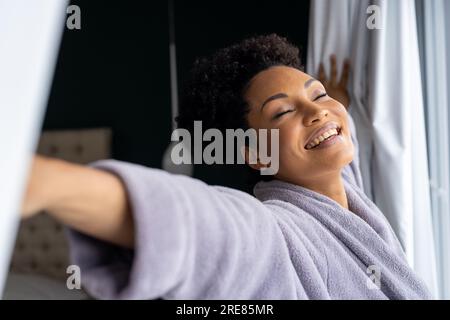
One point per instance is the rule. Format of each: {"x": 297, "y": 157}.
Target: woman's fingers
{"x": 333, "y": 78}
{"x": 345, "y": 73}
{"x": 336, "y": 87}
{"x": 321, "y": 75}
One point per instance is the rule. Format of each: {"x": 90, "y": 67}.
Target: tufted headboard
{"x": 41, "y": 247}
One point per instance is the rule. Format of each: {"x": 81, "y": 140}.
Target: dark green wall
{"x": 114, "y": 72}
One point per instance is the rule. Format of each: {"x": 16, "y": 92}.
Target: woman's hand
{"x": 336, "y": 89}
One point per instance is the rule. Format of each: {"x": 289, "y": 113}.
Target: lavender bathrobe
{"x": 196, "y": 241}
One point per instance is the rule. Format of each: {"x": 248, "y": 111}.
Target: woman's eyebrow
{"x": 274, "y": 97}
{"x": 309, "y": 82}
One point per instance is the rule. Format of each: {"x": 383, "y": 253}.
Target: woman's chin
{"x": 335, "y": 161}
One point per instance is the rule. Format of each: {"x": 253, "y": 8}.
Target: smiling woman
{"x": 302, "y": 111}
{"x": 308, "y": 233}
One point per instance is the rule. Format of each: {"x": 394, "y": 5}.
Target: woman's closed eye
{"x": 280, "y": 114}
{"x": 322, "y": 95}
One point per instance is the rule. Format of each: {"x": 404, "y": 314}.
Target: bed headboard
{"x": 41, "y": 247}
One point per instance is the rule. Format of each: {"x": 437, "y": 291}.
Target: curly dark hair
{"x": 215, "y": 94}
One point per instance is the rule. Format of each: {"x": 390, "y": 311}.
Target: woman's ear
{"x": 251, "y": 158}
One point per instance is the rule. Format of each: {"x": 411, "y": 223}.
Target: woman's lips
{"x": 320, "y": 131}
{"x": 328, "y": 142}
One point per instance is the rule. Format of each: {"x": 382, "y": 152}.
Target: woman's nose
{"x": 313, "y": 114}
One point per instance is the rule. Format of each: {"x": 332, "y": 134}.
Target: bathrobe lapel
{"x": 362, "y": 229}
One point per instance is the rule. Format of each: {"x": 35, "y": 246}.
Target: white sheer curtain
{"x": 434, "y": 40}
{"x": 388, "y": 111}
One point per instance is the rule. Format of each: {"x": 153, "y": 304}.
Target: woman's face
{"x": 287, "y": 99}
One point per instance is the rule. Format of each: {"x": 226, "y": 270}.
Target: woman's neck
{"x": 331, "y": 185}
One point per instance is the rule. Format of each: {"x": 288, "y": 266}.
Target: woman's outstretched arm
{"x": 91, "y": 201}
{"x": 191, "y": 240}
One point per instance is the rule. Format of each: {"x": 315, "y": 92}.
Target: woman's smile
{"x": 328, "y": 142}
{"x": 326, "y": 138}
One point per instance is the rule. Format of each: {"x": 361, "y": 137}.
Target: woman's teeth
{"x": 322, "y": 137}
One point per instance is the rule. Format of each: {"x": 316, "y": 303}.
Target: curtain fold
{"x": 434, "y": 40}
{"x": 388, "y": 110}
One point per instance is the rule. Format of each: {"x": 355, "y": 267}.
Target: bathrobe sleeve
{"x": 192, "y": 241}
{"x": 352, "y": 171}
